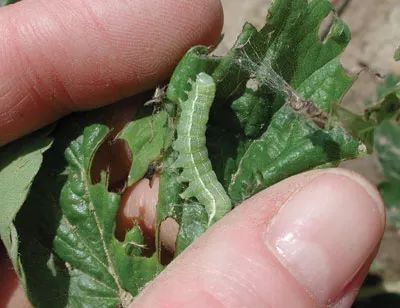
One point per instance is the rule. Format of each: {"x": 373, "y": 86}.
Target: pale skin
{"x": 305, "y": 242}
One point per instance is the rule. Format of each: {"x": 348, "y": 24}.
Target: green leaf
{"x": 229, "y": 76}
{"x": 391, "y": 195}
{"x": 66, "y": 228}
{"x": 253, "y": 140}
{"x": 19, "y": 163}
{"x": 290, "y": 145}
{"x": 196, "y": 60}
{"x": 222, "y": 146}
{"x": 385, "y": 114}
{"x": 194, "y": 222}
{"x": 253, "y": 112}
{"x": 169, "y": 201}
{"x": 385, "y": 107}
{"x": 289, "y": 45}
{"x": 389, "y": 86}
{"x": 6, "y": 2}
{"x": 170, "y": 188}
{"x": 100, "y": 268}
{"x": 387, "y": 144}
{"x": 397, "y": 54}
{"x": 147, "y": 139}
{"x": 388, "y": 101}
{"x": 69, "y": 256}
{"x": 44, "y": 275}
{"x": 357, "y": 125}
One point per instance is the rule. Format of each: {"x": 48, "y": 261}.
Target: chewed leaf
{"x": 194, "y": 222}
{"x": 288, "y": 50}
{"x": 227, "y": 128}
{"x": 146, "y": 138}
{"x": 96, "y": 260}
{"x": 288, "y": 59}
{"x": 290, "y": 145}
{"x": 195, "y": 61}
{"x": 256, "y": 80}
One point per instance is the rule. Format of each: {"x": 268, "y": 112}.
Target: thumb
{"x": 305, "y": 242}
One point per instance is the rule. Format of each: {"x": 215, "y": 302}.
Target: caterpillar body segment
{"x": 193, "y": 155}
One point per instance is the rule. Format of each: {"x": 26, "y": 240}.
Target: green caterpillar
{"x": 193, "y": 155}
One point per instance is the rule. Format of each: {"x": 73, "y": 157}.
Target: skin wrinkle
{"x": 234, "y": 250}
{"x": 12, "y": 116}
{"x": 278, "y": 204}
{"x": 105, "y": 38}
{"x": 210, "y": 291}
{"x": 6, "y": 88}
{"x": 5, "y": 92}
{"x": 99, "y": 77}
{"x": 3, "y": 51}
{"x": 230, "y": 277}
{"x": 31, "y": 96}
{"x": 234, "y": 280}
{"x": 230, "y": 280}
{"x": 80, "y": 70}
{"x": 245, "y": 228}
{"x": 279, "y": 267}
{"x": 35, "y": 82}
{"x": 68, "y": 106}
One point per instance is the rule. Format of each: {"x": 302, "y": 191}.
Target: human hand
{"x": 304, "y": 242}
{"x": 307, "y": 241}
{"x": 61, "y": 56}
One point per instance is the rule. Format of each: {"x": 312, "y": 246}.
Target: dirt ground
{"x": 375, "y": 26}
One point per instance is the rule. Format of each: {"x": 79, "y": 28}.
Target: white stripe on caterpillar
{"x": 193, "y": 155}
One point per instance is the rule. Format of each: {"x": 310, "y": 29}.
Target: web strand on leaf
{"x": 262, "y": 74}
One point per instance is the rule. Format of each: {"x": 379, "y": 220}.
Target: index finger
{"x": 69, "y": 55}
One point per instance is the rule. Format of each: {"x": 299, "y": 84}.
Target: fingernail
{"x": 326, "y": 231}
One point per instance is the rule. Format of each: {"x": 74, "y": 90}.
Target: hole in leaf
{"x": 169, "y": 229}
{"x": 325, "y": 26}
{"x": 3, "y": 253}
{"x": 138, "y": 208}
{"x": 114, "y": 156}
